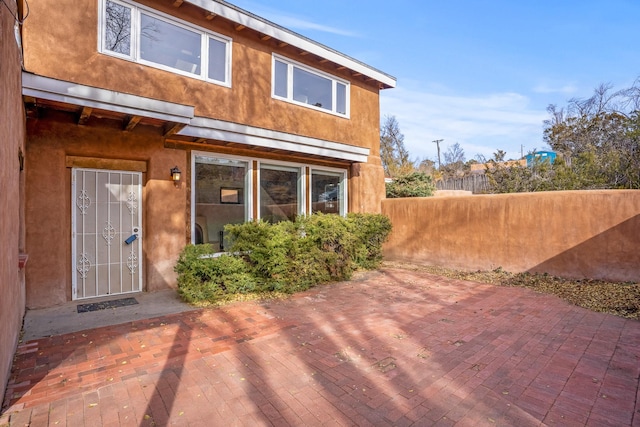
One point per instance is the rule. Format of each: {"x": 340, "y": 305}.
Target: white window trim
{"x": 205, "y": 34}
{"x": 289, "y": 98}
{"x": 248, "y": 178}
{"x": 302, "y": 187}
{"x": 344, "y": 182}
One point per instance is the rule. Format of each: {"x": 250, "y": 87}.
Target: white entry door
{"x": 106, "y": 232}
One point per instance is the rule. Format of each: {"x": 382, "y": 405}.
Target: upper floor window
{"x": 303, "y": 85}
{"x": 136, "y": 33}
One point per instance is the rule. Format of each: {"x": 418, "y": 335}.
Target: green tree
{"x": 499, "y": 155}
{"x": 598, "y": 144}
{"x": 393, "y": 154}
{"x": 598, "y": 137}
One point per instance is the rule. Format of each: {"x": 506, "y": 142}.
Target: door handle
{"x": 131, "y": 239}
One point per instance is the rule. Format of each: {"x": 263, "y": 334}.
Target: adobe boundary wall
{"x": 573, "y": 234}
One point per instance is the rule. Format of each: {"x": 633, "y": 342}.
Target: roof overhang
{"x": 178, "y": 120}
{"x": 263, "y": 26}
{"x": 211, "y": 129}
{"x": 103, "y": 99}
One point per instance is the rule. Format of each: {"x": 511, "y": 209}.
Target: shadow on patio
{"x": 392, "y": 347}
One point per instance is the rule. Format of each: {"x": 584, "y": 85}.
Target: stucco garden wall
{"x": 576, "y": 234}
{"x": 12, "y": 293}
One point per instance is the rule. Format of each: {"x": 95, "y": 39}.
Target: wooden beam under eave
{"x": 356, "y": 74}
{"x": 283, "y": 44}
{"x": 303, "y": 53}
{"x": 178, "y": 3}
{"x": 340, "y": 68}
{"x": 210, "y": 15}
{"x": 171, "y": 130}
{"x": 84, "y": 115}
{"x": 200, "y": 141}
{"x": 131, "y": 123}
{"x": 240, "y": 27}
{"x": 323, "y": 61}
{"x": 264, "y": 37}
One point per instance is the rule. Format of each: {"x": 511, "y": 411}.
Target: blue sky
{"x": 477, "y": 72}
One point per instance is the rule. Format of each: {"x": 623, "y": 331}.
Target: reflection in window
{"x": 280, "y": 79}
{"x": 312, "y": 89}
{"x": 220, "y": 198}
{"x": 118, "y": 28}
{"x": 279, "y": 193}
{"x": 341, "y": 98}
{"x": 327, "y": 195}
{"x": 143, "y": 36}
{"x": 217, "y": 60}
{"x": 170, "y": 45}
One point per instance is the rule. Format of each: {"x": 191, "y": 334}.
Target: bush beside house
{"x": 284, "y": 257}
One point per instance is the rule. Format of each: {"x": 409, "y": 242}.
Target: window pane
{"x": 170, "y": 45}
{"x": 279, "y": 197}
{"x": 220, "y": 198}
{"x": 280, "y": 79}
{"x": 118, "y": 28}
{"x": 326, "y": 192}
{"x": 312, "y": 89}
{"x": 217, "y": 60}
{"x": 341, "y": 98}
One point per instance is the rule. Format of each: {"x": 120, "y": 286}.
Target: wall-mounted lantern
{"x": 175, "y": 176}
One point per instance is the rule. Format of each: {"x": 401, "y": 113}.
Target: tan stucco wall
{"x": 12, "y": 292}
{"x": 62, "y": 43}
{"x": 55, "y": 139}
{"x": 580, "y": 234}
{"x": 48, "y": 215}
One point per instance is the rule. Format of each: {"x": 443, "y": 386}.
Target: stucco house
{"x": 151, "y": 124}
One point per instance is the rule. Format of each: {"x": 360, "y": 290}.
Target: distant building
{"x": 481, "y": 167}
{"x": 540, "y": 156}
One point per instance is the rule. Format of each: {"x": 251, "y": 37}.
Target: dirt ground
{"x": 618, "y": 298}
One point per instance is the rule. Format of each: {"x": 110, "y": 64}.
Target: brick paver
{"x": 392, "y": 347}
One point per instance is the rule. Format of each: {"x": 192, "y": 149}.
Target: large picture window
{"x": 328, "y": 190}
{"x": 221, "y": 186}
{"x": 223, "y": 192}
{"x": 303, "y": 85}
{"x": 133, "y": 32}
{"x": 280, "y": 193}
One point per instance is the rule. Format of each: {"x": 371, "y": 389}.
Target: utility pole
{"x": 437, "y": 142}
{"x": 521, "y": 151}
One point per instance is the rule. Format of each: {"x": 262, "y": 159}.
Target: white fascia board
{"x": 254, "y": 22}
{"x": 103, "y": 99}
{"x": 202, "y": 127}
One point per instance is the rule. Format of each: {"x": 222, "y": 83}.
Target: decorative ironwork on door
{"x": 106, "y": 232}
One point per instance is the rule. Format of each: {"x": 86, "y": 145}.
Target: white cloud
{"x": 291, "y": 21}
{"x": 480, "y": 124}
{"x": 566, "y": 89}
{"x": 295, "y": 23}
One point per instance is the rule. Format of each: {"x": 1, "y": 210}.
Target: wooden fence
{"x": 477, "y": 184}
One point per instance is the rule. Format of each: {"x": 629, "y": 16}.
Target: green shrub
{"x": 414, "y": 184}
{"x": 285, "y": 257}
{"x": 203, "y": 278}
{"x": 370, "y": 231}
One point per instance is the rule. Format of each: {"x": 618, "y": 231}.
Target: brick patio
{"x": 392, "y": 347}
